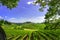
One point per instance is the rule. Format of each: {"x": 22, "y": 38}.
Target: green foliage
{"x": 9, "y": 3}
{"x": 33, "y": 26}
{"x": 54, "y": 7}
{"x": 30, "y": 31}
{"x": 1, "y": 22}
{"x": 53, "y": 10}
{"x": 53, "y": 24}
{"x": 4, "y": 22}
{"x": 22, "y": 26}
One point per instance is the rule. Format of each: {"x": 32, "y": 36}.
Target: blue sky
{"x": 25, "y": 11}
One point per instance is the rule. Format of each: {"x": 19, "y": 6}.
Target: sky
{"x": 25, "y": 11}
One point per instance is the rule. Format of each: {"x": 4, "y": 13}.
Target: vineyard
{"x": 21, "y": 20}
{"x": 30, "y": 31}
{"x": 32, "y": 35}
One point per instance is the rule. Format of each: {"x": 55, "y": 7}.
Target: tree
{"x": 1, "y": 21}
{"x": 9, "y": 3}
{"x": 53, "y": 10}
{"x": 54, "y": 7}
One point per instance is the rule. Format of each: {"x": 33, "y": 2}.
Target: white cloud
{"x": 36, "y": 4}
{"x": 16, "y": 20}
{"x": 12, "y": 19}
{"x": 30, "y": 2}
{"x": 1, "y": 17}
{"x": 38, "y": 19}
{"x": 21, "y": 20}
{"x": 6, "y": 17}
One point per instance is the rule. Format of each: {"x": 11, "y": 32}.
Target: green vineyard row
{"x": 34, "y": 35}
